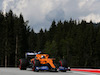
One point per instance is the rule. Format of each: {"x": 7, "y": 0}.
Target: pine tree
{"x": 32, "y": 40}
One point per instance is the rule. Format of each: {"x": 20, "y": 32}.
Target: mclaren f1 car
{"x": 41, "y": 62}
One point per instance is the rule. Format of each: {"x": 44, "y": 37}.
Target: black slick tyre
{"x": 36, "y": 63}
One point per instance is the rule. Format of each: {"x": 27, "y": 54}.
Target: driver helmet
{"x": 42, "y": 56}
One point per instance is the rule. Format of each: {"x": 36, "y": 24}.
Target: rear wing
{"x": 31, "y": 54}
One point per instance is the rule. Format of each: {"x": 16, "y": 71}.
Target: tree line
{"x": 76, "y": 41}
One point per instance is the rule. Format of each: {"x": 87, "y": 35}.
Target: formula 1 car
{"x": 42, "y": 62}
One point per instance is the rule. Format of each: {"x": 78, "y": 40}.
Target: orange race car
{"x": 38, "y": 61}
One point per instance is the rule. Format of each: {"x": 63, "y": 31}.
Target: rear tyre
{"x": 23, "y": 64}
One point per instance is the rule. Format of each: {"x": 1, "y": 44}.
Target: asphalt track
{"x": 16, "y": 71}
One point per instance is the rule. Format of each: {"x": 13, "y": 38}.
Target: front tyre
{"x": 35, "y": 64}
